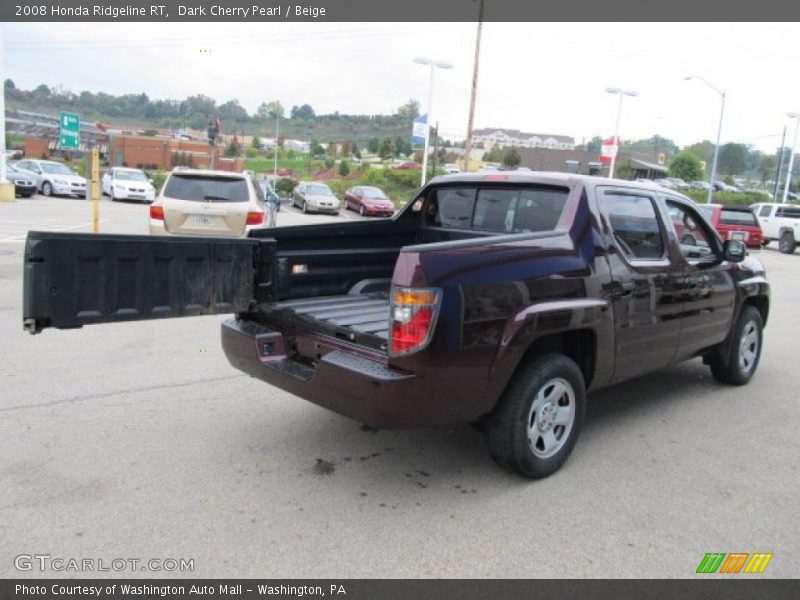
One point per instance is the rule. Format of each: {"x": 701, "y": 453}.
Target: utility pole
{"x": 435, "y": 148}
{"x": 470, "y": 121}
{"x": 6, "y": 189}
{"x": 780, "y": 166}
{"x": 796, "y": 117}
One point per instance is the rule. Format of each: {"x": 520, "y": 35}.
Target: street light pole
{"x": 796, "y": 117}
{"x": 275, "y": 168}
{"x": 719, "y": 134}
{"x": 620, "y": 92}
{"x": 429, "y": 118}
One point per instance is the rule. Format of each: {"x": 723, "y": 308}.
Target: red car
{"x": 409, "y": 165}
{"x": 368, "y": 200}
{"x": 734, "y": 223}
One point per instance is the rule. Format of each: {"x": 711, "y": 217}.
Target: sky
{"x": 536, "y": 77}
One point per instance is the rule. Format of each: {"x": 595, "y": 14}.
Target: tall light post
{"x": 275, "y": 166}
{"x": 433, "y": 64}
{"x": 621, "y": 93}
{"x": 796, "y": 117}
{"x": 719, "y": 133}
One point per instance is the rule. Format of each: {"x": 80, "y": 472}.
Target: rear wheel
{"x": 745, "y": 350}
{"x": 47, "y": 189}
{"x": 536, "y": 424}
{"x": 787, "y": 243}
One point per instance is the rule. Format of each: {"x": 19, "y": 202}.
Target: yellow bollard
{"x": 95, "y": 190}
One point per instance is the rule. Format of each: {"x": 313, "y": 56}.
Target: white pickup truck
{"x": 779, "y": 222}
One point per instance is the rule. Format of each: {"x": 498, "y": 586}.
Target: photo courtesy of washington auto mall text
{"x": 399, "y": 300}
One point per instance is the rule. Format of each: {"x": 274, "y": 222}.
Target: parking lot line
{"x": 17, "y": 238}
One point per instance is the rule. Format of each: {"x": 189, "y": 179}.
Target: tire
{"x": 764, "y": 243}
{"x": 111, "y": 195}
{"x": 787, "y": 243}
{"x": 361, "y": 210}
{"x": 47, "y": 189}
{"x": 305, "y": 208}
{"x": 745, "y": 350}
{"x": 540, "y": 389}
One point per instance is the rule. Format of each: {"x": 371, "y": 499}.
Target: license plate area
{"x": 739, "y": 236}
{"x": 203, "y": 221}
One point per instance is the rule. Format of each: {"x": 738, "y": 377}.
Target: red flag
{"x": 217, "y": 125}
{"x": 608, "y": 150}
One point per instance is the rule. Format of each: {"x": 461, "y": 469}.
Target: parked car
{"x": 779, "y": 222}
{"x": 408, "y": 165}
{"x": 54, "y": 178}
{"x": 24, "y": 183}
{"x": 451, "y": 169}
{"x": 207, "y": 203}
{"x": 679, "y": 183}
{"x": 315, "y": 196}
{"x": 734, "y": 223}
{"x": 700, "y": 185}
{"x": 122, "y": 183}
{"x": 665, "y": 183}
{"x": 284, "y": 172}
{"x": 721, "y": 186}
{"x": 368, "y": 201}
{"x": 497, "y": 300}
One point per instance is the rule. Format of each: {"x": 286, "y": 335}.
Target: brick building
{"x": 145, "y": 152}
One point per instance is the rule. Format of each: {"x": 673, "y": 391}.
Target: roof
{"x": 209, "y": 172}
{"x": 649, "y": 165}
{"x": 523, "y": 134}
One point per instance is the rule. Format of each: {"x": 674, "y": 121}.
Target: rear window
{"x": 737, "y": 217}
{"x": 206, "y": 188}
{"x": 789, "y": 212}
{"x": 497, "y": 210}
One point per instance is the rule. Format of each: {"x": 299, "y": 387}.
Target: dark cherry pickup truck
{"x": 491, "y": 299}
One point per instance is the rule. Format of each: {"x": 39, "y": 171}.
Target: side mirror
{"x": 734, "y": 250}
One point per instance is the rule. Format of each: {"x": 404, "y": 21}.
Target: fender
{"x": 553, "y": 317}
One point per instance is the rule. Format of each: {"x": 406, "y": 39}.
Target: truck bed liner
{"x": 364, "y": 313}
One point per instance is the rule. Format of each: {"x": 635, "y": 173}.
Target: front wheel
{"x": 305, "y": 208}
{"x": 536, "y": 424}
{"x": 47, "y": 189}
{"x": 787, "y": 243}
{"x": 745, "y": 350}
{"x": 361, "y": 211}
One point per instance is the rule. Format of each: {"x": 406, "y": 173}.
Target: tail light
{"x": 255, "y": 217}
{"x": 156, "y": 212}
{"x": 413, "y": 318}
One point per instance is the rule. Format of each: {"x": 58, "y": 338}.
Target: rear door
{"x": 76, "y": 279}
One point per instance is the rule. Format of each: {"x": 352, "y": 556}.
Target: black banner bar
{"x": 396, "y": 10}
{"x": 705, "y": 588}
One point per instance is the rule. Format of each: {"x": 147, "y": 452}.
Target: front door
{"x": 647, "y": 282}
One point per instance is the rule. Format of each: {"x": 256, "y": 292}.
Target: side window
{"x": 451, "y": 208}
{"x": 635, "y": 225}
{"x": 694, "y": 239}
{"x": 788, "y": 212}
{"x": 764, "y": 211}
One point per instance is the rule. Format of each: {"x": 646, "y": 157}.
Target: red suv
{"x": 734, "y": 223}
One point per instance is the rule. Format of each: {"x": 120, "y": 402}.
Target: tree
{"x": 686, "y": 165}
{"x": 256, "y": 143}
{"x": 315, "y": 148}
{"x": 409, "y": 110}
{"x": 373, "y": 145}
{"x": 302, "y": 112}
{"x": 386, "y": 150}
{"x": 732, "y": 159}
{"x": 766, "y": 167}
{"x": 9, "y": 85}
{"x": 344, "y": 168}
{"x": 234, "y": 148}
{"x": 594, "y": 145}
{"x": 269, "y": 110}
{"x": 511, "y": 157}
{"x": 704, "y": 151}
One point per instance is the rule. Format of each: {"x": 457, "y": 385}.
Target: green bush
{"x": 727, "y": 198}
{"x": 158, "y": 178}
{"x": 329, "y": 162}
{"x": 344, "y": 168}
{"x": 405, "y": 177}
{"x": 285, "y": 185}
{"x": 375, "y": 177}
{"x": 251, "y": 152}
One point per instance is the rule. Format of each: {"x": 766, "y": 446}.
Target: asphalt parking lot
{"x": 138, "y": 440}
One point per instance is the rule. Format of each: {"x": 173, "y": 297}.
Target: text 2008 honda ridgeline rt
{"x": 496, "y": 299}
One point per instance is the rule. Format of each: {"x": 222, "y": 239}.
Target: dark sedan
{"x": 24, "y": 185}
{"x": 368, "y": 201}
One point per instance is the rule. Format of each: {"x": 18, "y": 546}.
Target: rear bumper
{"x": 362, "y": 389}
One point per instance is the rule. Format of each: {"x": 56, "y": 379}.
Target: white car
{"x": 54, "y": 178}
{"x": 207, "y": 203}
{"x": 121, "y": 183}
{"x": 451, "y": 169}
{"x": 779, "y": 222}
